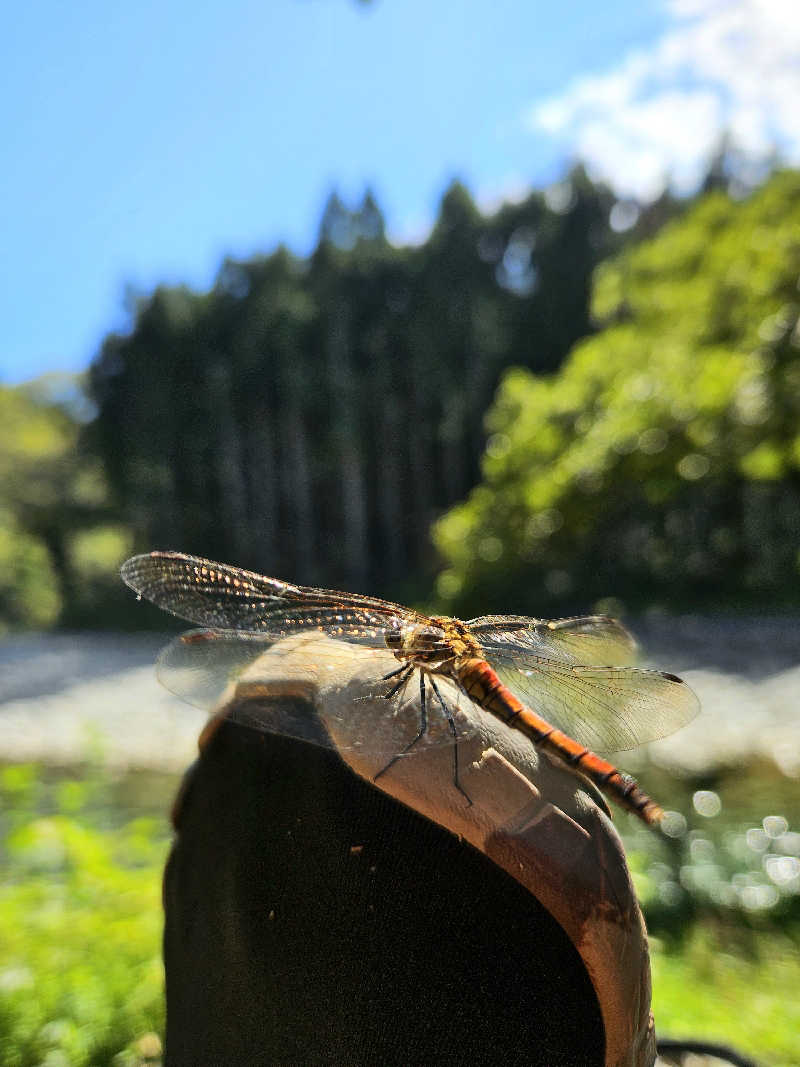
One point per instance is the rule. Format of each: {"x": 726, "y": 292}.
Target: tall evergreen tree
{"x": 313, "y": 417}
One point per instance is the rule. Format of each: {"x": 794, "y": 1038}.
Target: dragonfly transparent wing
{"x": 587, "y": 639}
{"x": 202, "y": 666}
{"x": 217, "y": 595}
{"x": 606, "y": 708}
{"x": 212, "y": 668}
{"x": 248, "y": 614}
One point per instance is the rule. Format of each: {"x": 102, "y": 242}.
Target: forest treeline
{"x": 314, "y": 417}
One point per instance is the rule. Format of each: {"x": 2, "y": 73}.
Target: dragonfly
{"x": 567, "y": 684}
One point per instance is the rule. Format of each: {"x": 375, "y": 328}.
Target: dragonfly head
{"x": 419, "y": 642}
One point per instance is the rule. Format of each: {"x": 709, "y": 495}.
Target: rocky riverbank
{"x": 66, "y": 696}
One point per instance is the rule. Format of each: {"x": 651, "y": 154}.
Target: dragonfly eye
{"x": 430, "y": 635}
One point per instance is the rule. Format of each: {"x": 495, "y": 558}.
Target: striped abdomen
{"x": 483, "y": 686}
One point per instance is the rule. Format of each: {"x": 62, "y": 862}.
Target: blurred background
{"x": 488, "y": 309}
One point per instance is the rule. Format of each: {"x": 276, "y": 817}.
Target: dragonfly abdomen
{"x": 482, "y": 685}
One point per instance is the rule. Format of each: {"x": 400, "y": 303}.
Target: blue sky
{"x": 144, "y": 142}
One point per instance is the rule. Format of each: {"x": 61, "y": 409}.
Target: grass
{"x": 81, "y": 980}
{"x": 722, "y": 901}
{"x": 716, "y": 987}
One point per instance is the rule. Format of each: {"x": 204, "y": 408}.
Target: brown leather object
{"x": 311, "y": 918}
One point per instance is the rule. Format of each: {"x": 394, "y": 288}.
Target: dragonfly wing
{"x": 199, "y": 666}
{"x": 587, "y": 639}
{"x": 219, "y": 596}
{"x": 606, "y": 708}
{"x": 213, "y": 669}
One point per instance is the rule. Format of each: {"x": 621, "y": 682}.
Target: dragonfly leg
{"x": 451, "y": 723}
{"x": 423, "y": 725}
{"x": 405, "y": 673}
{"x": 423, "y": 719}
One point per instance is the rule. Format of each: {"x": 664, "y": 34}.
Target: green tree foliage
{"x": 58, "y": 538}
{"x": 311, "y": 417}
{"x": 662, "y": 463}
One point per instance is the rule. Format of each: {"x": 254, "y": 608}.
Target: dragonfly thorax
{"x": 436, "y": 646}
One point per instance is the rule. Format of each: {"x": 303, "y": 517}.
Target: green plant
{"x": 81, "y": 978}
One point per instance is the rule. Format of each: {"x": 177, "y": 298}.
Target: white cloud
{"x": 723, "y": 66}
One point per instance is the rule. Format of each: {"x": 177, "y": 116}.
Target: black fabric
{"x": 311, "y": 919}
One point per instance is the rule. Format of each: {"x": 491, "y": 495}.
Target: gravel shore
{"x": 66, "y": 696}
